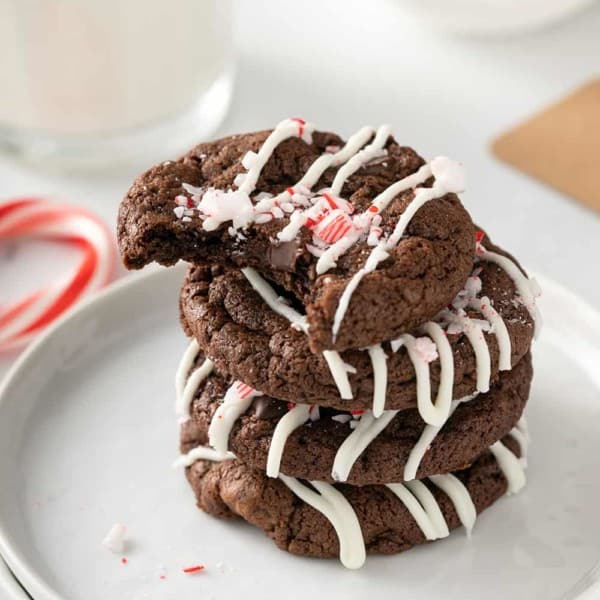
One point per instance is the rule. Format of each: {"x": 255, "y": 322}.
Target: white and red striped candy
{"x": 38, "y": 218}
{"x": 243, "y": 390}
{"x": 334, "y": 227}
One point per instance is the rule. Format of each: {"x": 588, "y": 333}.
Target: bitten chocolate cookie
{"x": 239, "y": 331}
{"x": 365, "y": 228}
{"x": 370, "y": 519}
{"x": 322, "y": 444}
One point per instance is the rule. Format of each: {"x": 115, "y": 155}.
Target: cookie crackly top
{"x": 369, "y": 238}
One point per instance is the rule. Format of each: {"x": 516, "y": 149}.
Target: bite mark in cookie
{"x": 345, "y": 229}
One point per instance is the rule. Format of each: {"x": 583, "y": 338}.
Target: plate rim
{"x": 25, "y": 573}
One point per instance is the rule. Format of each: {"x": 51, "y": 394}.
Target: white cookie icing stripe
{"x": 185, "y": 366}
{"x": 186, "y": 388}
{"x": 339, "y": 369}
{"x": 237, "y": 400}
{"x": 484, "y": 306}
{"x": 334, "y": 506}
{"x": 293, "y": 419}
{"x": 474, "y": 333}
{"x": 449, "y": 178}
{"x": 353, "y": 446}
{"x": 454, "y": 488}
{"x": 417, "y": 512}
{"x": 520, "y": 433}
{"x": 329, "y": 258}
{"x": 312, "y": 176}
{"x": 416, "y": 497}
{"x": 201, "y": 453}
{"x": 378, "y": 361}
{"x": 184, "y": 402}
{"x": 423, "y": 508}
{"x": 527, "y": 288}
{"x": 368, "y": 153}
{"x": 275, "y": 302}
{"x": 446, "y": 357}
{"x": 284, "y": 130}
{"x": 433, "y": 414}
{"x": 427, "y": 436}
{"x": 510, "y": 466}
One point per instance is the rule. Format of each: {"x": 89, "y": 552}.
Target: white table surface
{"x": 369, "y": 63}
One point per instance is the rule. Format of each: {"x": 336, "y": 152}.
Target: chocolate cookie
{"x": 375, "y": 519}
{"x": 246, "y": 338}
{"x": 247, "y": 200}
{"x": 313, "y": 449}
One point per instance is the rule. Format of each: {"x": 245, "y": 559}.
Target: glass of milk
{"x": 99, "y": 82}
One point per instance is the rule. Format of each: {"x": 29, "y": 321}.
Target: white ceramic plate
{"x": 9, "y": 588}
{"x": 87, "y": 437}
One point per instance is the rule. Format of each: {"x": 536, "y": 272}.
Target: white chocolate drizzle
{"x": 426, "y": 439}
{"x": 354, "y": 445}
{"x": 360, "y": 159}
{"x": 284, "y": 130}
{"x": 416, "y": 497}
{"x": 434, "y": 414}
{"x": 237, "y": 400}
{"x": 186, "y": 383}
{"x": 423, "y": 507}
{"x": 339, "y": 369}
{"x": 449, "y": 178}
{"x": 378, "y": 361}
{"x": 474, "y": 332}
{"x": 333, "y": 505}
{"x": 293, "y": 419}
{"x": 201, "y": 453}
{"x": 510, "y": 466}
{"x": 455, "y": 489}
{"x": 527, "y": 289}
{"x": 498, "y": 327}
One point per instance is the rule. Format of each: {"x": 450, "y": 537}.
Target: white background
{"x": 345, "y": 64}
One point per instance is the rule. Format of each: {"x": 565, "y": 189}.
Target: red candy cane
{"x": 37, "y": 218}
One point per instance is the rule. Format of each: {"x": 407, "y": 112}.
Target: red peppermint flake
{"x": 291, "y": 405}
{"x": 290, "y": 191}
{"x": 373, "y": 209}
{"x": 479, "y": 235}
{"x": 301, "y": 124}
{"x": 338, "y": 203}
{"x": 356, "y": 412}
{"x": 193, "y": 569}
{"x": 124, "y": 561}
{"x": 312, "y": 223}
{"x": 243, "y": 389}
{"x": 334, "y": 227}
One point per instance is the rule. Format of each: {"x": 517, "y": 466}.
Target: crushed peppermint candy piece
{"x": 115, "y": 539}
{"x": 219, "y": 206}
{"x": 193, "y": 569}
{"x": 343, "y": 418}
{"x": 314, "y": 413}
{"x": 243, "y": 389}
{"x": 426, "y": 349}
{"x": 334, "y": 226}
{"x": 179, "y": 210}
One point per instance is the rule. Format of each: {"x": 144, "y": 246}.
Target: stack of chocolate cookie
{"x": 360, "y": 355}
